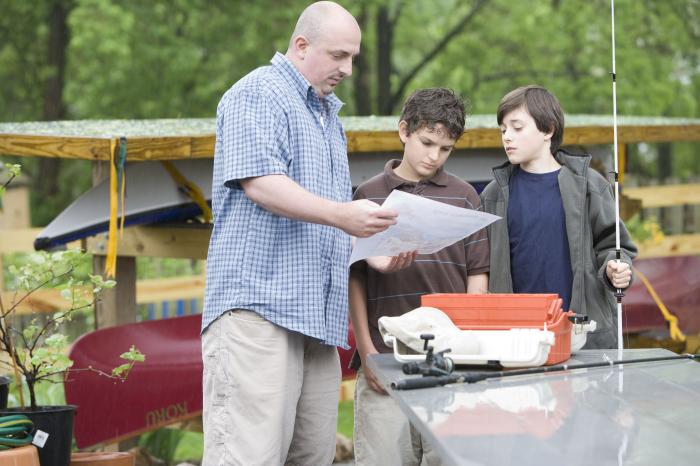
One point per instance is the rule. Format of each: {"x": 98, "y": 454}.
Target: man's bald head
{"x": 325, "y": 40}
{"x": 318, "y": 20}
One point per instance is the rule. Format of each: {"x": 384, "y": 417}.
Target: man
{"x": 277, "y": 270}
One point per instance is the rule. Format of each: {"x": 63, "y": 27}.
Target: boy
{"x": 557, "y": 234}
{"x": 431, "y": 122}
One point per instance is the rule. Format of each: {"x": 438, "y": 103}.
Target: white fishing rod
{"x": 618, "y": 292}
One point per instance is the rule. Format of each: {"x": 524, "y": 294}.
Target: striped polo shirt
{"x": 445, "y": 271}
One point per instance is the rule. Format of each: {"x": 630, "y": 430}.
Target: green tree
{"x": 175, "y": 58}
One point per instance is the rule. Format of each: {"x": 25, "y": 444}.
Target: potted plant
{"x": 36, "y": 351}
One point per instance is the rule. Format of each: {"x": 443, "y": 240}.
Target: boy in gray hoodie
{"x": 557, "y": 234}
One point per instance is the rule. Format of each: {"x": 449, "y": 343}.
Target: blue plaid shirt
{"x": 292, "y": 273}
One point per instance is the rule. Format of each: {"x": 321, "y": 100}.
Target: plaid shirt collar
{"x": 302, "y": 85}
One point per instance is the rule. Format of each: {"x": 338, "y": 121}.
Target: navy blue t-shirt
{"x": 539, "y": 246}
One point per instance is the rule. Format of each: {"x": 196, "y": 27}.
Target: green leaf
{"x": 56, "y": 341}
{"x": 133, "y": 355}
{"x": 120, "y": 371}
{"x": 30, "y": 331}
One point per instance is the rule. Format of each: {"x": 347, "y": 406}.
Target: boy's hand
{"x": 619, "y": 274}
{"x": 372, "y": 380}
{"x": 387, "y": 264}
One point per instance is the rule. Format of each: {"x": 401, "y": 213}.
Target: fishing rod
{"x": 474, "y": 377}
{"x": 618, "y": 292}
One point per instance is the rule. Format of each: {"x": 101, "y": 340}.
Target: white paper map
{"x": 423, "y": 225}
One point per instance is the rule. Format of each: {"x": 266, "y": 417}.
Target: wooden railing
{"x": 653, "y": 197}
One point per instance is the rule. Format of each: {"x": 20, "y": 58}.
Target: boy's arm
{"x": 478, "y": 284}
{"x": 357, "y": 294}
{"x": 602, "y": 221}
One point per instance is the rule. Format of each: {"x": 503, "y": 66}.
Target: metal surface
{"x": 632, "y": 414}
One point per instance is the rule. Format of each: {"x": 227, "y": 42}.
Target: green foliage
{"x": 644, "y": 231}
{"x": 132, "y": 356}
{"x": 8, "y": 172}
{"x": 346, "y": 418}
{"x": 173, "y": 445}
{"x": 37, "y": 351}
{"x": 175, "y": 58}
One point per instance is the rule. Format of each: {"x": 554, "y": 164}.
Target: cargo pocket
{"x": 220, "y": 411}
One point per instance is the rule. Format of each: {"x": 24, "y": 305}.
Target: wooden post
{"x": 117, "y": 305}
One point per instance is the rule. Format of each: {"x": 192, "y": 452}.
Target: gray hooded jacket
{"x": 589, "y": 207}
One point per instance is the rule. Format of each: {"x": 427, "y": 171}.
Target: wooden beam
{"x": 22, "y": 240}
{"x": 665, "y": 196}
{"x": 169, "y": 289}
{"x": 41, "y": 301}
{"x": 187, "y": 147}
{"x": 68, "y": 147}
{"x": 170, "y": 148}
{"x": 19, "y": 240}
{"x": 672, "y": 245}
{"x": 141, "y": 241}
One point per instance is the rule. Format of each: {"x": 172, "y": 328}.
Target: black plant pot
{"x": 4, "y": 390}
{"x": 57, "y": 422}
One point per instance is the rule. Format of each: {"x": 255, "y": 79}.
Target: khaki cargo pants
{"x": 270, "y": 395}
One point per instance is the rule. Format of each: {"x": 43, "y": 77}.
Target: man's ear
{"x": 403, "y": 131}
{"x": 301, "y": 45}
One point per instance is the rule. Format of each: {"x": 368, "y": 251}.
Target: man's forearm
{"x": 282, "y": 196}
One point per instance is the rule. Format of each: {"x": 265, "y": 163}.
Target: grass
{"x": 346, "y": 417}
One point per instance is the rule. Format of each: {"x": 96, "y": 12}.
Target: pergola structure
{"x": 371, "y": 141}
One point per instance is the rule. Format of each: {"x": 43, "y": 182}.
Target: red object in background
{"x": 164, "y": 389}
{"x": 677, "y": 282}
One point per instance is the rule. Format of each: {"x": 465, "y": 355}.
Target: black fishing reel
{"x": 435, "y": 363}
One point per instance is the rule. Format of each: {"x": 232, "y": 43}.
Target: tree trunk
{"x": 385, "y": 40}
{"x": 361, "y": 73}
{"x": 32, "y": 394}
{"x": 54, "y": 106}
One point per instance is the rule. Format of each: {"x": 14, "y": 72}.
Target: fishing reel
{"x": 435, "y": 364}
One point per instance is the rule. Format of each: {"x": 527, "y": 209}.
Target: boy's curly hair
{"x": 426, "y": 108}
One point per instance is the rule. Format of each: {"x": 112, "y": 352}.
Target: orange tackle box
{"x": 506, "y": 311}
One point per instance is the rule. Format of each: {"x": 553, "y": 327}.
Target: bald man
{"x": 277, "y": 271}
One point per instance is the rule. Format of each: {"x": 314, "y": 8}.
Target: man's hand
{"x": 372, "y": 380}
{"x": 388, "y": 264}
{"x": 363, "y": 218}
{"x": 619, "y": 274}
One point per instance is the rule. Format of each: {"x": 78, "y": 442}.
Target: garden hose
{"x": 15, "y": 431}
